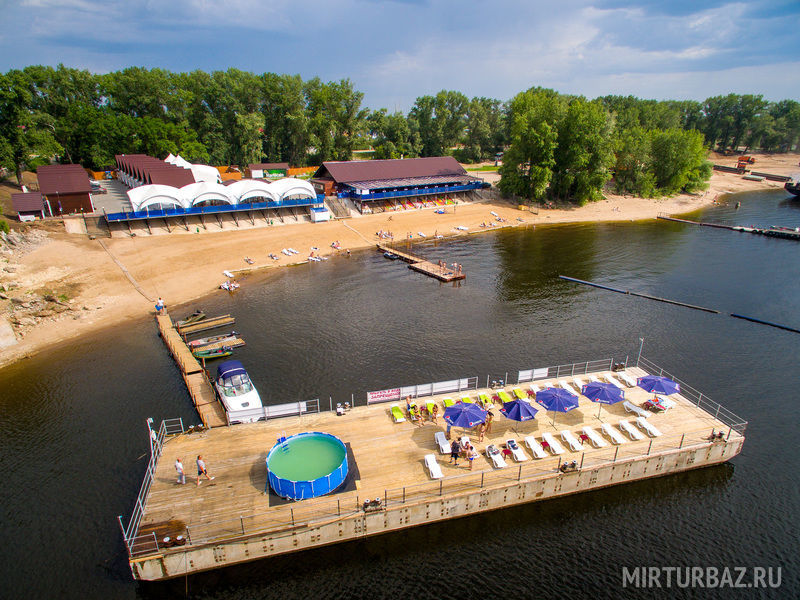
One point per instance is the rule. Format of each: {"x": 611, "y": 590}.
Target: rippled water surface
{"x": 73, "y": 436}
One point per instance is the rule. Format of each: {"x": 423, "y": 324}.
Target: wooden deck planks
{"x": 206, "y": 324}
{"x": 388, "y": 455}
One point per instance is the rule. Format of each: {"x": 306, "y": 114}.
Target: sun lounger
{"x": 666, "y": 403}
{"x": 647, "y": 427}
{"x": 517, "y": 452}
{"x": 565, "y": 384}
{"x": 467, "y": 399}
{"x": 578, "y": 383}
{"x": 555, "y": 447}
{"x": 448, "y": 402}
{"x": 397, "y": 414}
{"x": 535, "y": 388}
{"x": 520, "y": 394}
{"x": 429, "y": 406}
{"x": 464, "y": 440}
{"x": 441, "y": 440}
{"x": 594, "y": 378}
{"x": 414, "y": 412}
{"x": 494, "y": 454}
{"x": 504, "y": 396}
{"x": 613, "y": 434}
{"x": 573, "y": 442}
{"x": 594, "y": 437}
{"x": 631, "y": 407}
{"x": 630, "y": 430}
{"x": 611, "y": 379}
{"x": 629, "y": 381}
{"x": 485, "y": 400}
{"x": 433, "y": 467}
{"x": 535, "y": 446}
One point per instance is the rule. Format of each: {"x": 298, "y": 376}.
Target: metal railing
{"x": 422, "y": 390}
{"x": 581, "y": 368}
{"x": 699, "y": 399}
{"x": 168, "y": 427}
{"x": 426, "y": 191}
{"x": 275, "y": 411}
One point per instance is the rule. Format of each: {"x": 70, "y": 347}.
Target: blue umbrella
{"x": 557, "y": 400}
{"x": 658, "y": 385}
{"x": 518, "y": 410}
{"x": 464, "y": 414}
{"x": 603, "y": 393}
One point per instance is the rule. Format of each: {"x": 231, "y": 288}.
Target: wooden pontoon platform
{"x": 420, "y": 265}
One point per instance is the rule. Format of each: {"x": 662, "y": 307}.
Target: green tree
{"x": 633, "y": 170}
{"x": 679, "y": 161}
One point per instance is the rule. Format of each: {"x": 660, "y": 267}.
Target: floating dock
{"x": 211, "y": 411}
{"x": 232, "y": 520}
{"x": 778, "y": 232}
{"x": 206, "y": 324}
{"x": 420, "y": 265}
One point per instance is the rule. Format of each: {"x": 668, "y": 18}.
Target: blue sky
{"x": 396, "y": 50}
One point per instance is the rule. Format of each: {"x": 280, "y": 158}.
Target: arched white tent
{"x": 245, "y": 190}
{"x": 291, "y": 187}
{"x": 146, "y": 196}
{"x": 205, "y": 191}
{"x": 205, "y": 173}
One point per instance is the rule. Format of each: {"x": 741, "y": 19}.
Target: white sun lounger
{"x": 629, "y": 429}
{"x": 629, "y": 381}
{"x": 594, "y": 437}
{"x": 578, "y": 383}
{"x": 517, "y": 452}
{"x": 573, "y": 442}
{"x": 631, "y": 407}
{"x": 464, "y": 440}
{"x": 665, "y": 402}
{"x": 594, "y": 378}
{"x": 433, "y": 467}
{"x": 494, "y": 454}
{"x": 611, "y": 379}
{"x": 441, "y": 440}
{"x": 555, "y": 447}
{"x": 535, "y": 388}
{"x": 647, "y": 427}
{"x": 565, "y": 384}
{"x": 612, "y": 434}
{"x": 535, "y": 446}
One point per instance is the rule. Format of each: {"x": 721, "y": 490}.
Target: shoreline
{"x": 184, "y": 267}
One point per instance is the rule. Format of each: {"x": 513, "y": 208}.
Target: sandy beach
{"x": 89, "y": 275}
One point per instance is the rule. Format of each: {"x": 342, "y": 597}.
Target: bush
{"x": 4, "y": 226}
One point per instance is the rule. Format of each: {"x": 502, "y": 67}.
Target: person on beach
{"x": 179, "y": 469}
{"x": 159, "y": 305}
{"x": 455, "y": 450}
{"x": 201, "y": 469}
{"x": 481, "y": 432}
{"x": 471, "y": 455}
{"x": 489, "y": 417}
{"x": 434, "y": 414}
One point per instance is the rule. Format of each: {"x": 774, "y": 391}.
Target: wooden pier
{"x": 784, "y": 233}
{"x": 231, "y": 519}
{"x": 206, "y": 324}
{"x": 211, "y": 411}
{"x": 236, "y": 342}
{"x": 420, "y": 265}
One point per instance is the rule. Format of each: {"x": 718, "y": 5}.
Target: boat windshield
{"x": 236, "y": 384}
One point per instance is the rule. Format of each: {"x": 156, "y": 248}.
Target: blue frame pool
{"x": 295, "y": 488}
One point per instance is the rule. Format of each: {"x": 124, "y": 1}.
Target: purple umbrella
{"x": 518, "y": 410}
{"x": 557, "y": 400}
{"x": 464, "y": 414}
{"x": 603, "y": 393}
{"x": 658, "y": 385}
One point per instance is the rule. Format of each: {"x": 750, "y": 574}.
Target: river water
{"x": 73, "y": 437}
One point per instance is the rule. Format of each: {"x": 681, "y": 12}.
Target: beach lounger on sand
{"x": 429, "y": 406}
{"x": 397, "y": 414}
{"x": 520, "y": 394}
{"x": 629, "y": 429}
{"x": 631, "y": 407}
{"x": 464, "y": 440}
{"x": 555, "y": 447}
{"x": 579, "y": 383}
{"x": 613, "y": 434}
{"x": 535, "y": 388}
{"x": 565, "y": 384}
{"x": 485, "y": 400}
{"x": 573, "y": 442}
{"x": 647, "y": 427}
{"x": 504, "y": 396}
{"x": 494, "y": 454}
{"x": 517, "y": 452}
{"x": 448, "y": 402}
{"x": 629, "y": 381}
{"x": 433, "y": 467}
{"x": 594, "y": 437}
{"x": 594, "y": 378}
{"x": 611, "y": 379}
{"x": 467, "y": 399}
{"x": 536, "y": 447}
{"x": 665, "y": 402}
{"x": 441, "y": 441}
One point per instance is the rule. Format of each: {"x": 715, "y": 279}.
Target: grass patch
{"x": 483, "y": 168}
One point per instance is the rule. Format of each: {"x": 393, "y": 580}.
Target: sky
{"x": 396, "y": 50}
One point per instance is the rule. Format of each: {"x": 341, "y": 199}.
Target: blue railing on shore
{"x": 136, "y": 215}
{"x": 447, "y": 189}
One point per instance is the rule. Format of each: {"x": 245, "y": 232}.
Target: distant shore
{"x": 184, "y": 266}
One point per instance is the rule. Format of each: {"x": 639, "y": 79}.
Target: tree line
{"x": 556, "y": 146}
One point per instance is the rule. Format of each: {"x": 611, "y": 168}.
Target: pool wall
{"x": 300, "y": 490}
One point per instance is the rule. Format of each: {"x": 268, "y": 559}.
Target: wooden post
{"x": 649, "y": 447}
{"x": 681, "y": 444}
{"x": 616, "y": 452}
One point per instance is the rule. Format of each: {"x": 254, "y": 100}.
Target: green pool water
{"x": 308, "y": 458}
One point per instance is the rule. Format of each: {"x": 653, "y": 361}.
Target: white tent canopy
{"x": 145, "y": 196}
{"x": 205, "y": 191}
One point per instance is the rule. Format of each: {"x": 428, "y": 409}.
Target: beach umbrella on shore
{"x": 464, "y": 414}
{"x": 557, "y": 400}
{"x": 602, "y": 393}
{"x": 518, "y": 410}
{"x": 658, "y": 385}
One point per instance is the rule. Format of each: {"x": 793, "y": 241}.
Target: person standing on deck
{"x": 201, "y": 469}
{"x": 179, "y": 469}
{"x": 159, "y": 305}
